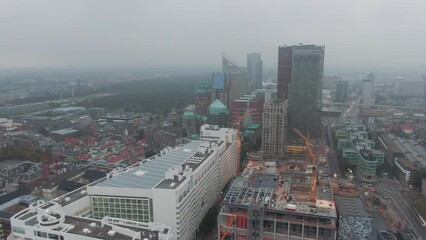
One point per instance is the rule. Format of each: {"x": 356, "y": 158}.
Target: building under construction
{"x": 271, "y": 200}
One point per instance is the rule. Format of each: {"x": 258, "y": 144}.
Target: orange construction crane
{"x": 310, "y": 155}
{"x": 310, "y": 158}
{"x": 230, "y": 222}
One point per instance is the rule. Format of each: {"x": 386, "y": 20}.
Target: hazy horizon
{"x": 361, "y": 36}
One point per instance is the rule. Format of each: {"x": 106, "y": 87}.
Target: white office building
{"x": 176, "y": 187}
{"x": 168, "y": 194}
{"x": 50, "y": 220}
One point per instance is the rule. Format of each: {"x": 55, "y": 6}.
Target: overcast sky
{"x": 361, "y": 35}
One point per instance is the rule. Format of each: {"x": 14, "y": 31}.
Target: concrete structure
{"x": 300, "y": 77}
{"x": 231, "y": 84}
{"x": 218, "y": 114}
{"x": 358, "y": 150}
{"x": 220, "y": 88}
{"x": 424, "y": 186}
{"x": 62, "y": 134}
{"x": 342, "y": 91}
{"x": 254, "y": 69}
{"x": 176, "y": 188}
{"x": 409, "y": 88}
{"x": 386, "y": 235}
{"x": 368, "y": 90}
{"x": 52, "y": 221}
{"x": 23, "y": 109}
{"x": 53, "y": 117}
{"x": 192, "y": 177}
{"x": 406, "y": 155}
{"x": 202, "y": 97}
{"x": 270, "y": 202}
{"x": 354, "y": 221}
{"x": 274, "y": 128}
{"x": 189, "y": 122}
{"x": 238, "y": 86}
{"x": 244, "y": 104}
{"x": 401, "y": 234}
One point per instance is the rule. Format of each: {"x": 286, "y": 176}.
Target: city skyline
{"x": 91, "y": 34}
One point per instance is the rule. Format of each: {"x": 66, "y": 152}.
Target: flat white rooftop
{"x": 152, "y": 172}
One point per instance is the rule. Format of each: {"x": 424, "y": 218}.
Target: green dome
{"x": 217, "y": 107}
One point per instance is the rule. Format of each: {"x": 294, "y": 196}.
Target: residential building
{"x": 254, "y": 69}
{"x": 342, "y": 91}
{"x": 218, "y": 114}
{"x": 274, "y": 128}
{"x": 300, "y": 78}
{"x": 367, "y": 90}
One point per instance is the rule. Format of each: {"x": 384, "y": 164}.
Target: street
{"x": 392, "y": 189}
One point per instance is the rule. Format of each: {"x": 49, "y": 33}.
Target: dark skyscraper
{"x": 300, "y": 77}
{"x": 342, "y": 91}
{"x": 254, "y": 69}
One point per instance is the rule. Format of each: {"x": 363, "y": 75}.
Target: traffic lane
{"x": 405, "y": 211}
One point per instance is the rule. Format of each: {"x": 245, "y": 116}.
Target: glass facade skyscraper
{"x": 300, "y": 78}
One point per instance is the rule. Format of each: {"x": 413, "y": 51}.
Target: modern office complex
{"x": 300, "y": 77}
{"x": 342, "y": 91}
{"x": 254, "y": 69}
{"x": 275, "y": 201}
{"x": 274, "y": 128}
{"x": 358, "y": 150}
{"x": 175, "y": 188}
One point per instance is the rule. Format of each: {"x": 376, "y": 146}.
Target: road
{"x": 392, "y": 189}
{"x": 333, "y": 163}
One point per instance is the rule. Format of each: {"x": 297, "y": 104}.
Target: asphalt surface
{"x": 392, "y": 189}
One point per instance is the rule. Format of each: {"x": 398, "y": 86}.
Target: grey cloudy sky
{"x": 365, "y": 35}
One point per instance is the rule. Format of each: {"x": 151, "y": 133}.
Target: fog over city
{"x": 360, "y": 36}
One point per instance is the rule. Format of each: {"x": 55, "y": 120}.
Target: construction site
{"x": 285, "y": 199}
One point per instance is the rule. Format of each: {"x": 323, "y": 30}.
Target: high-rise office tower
{"x": 202, "y": 97}
{"x": 274, "y": 128}
{"x": 342, "y": 91}
{"x": 236, "y": 80}
{"x": 367, "y": 90}
{"x": 300, "y": 77}
{"x": 254, "y": 69}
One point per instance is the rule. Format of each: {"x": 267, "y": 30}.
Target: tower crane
{"x": 310, "y": 158}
